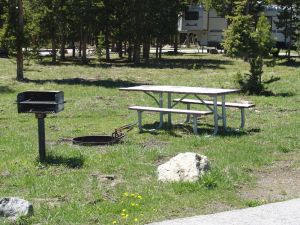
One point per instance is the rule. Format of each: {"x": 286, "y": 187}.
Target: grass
{"x": 72, "y": 189}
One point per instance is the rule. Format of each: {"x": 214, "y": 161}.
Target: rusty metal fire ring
{"x": 96, "y": 140}
{"x": 114, "y": 138}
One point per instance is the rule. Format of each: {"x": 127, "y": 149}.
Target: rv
{"x": 206, "y": 28}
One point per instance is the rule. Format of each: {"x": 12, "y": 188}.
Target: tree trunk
{"x": 136, "y": 52}
{"x": 156, "y": 49}
{"x": 20, "y": 75}
{"x": 84, "y": 42}
{"x": 146, "y": 49}
{"x": 73, "y": 49}
{"x": 53, "y": 51}
{"x": 62, "y": 49}
{"x": 106, "y": 37}
{"x": 176, "y": 43}
{"x": 125, "y": 48}
{"x": 129, "y": 51}
{"x": 120, "y": 50}
{"x": 160, "y": 49}
{"x": 80, "y": 42}
{"x": 290, "y": 24}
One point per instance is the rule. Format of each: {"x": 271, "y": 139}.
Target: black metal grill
{"x": 41, "y": 103}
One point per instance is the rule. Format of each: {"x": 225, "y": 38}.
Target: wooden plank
{"x": 227, "y": 104}
{"x": 181, "y": 89}
{"x": 179, "y": 111}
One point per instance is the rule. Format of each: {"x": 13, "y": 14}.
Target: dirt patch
{"x": 154, "y": 143}
{"x": 50, "y": 202}
{"x": 106, "y": 179}
{"x": 278, "y": 182}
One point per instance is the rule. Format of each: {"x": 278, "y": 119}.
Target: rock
{"x": 5, "y": 174}
{"x": 15, "y": 207}
{"x": 188, "y": 167}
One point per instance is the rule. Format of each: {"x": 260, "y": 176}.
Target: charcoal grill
{"x": 114, "y": 138}
{"x": 41, "y": 103}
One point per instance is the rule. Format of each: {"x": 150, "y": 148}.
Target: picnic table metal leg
{"x": 161, "y": 115}
{"x": 224, "y": 113}
{"x": 140, "y": 123}
{"x": 169, "y": 106}
{"x": 195, "y": 127}
{"x": 140, "y": 120}
{"x": 242, "y": 118}
{"x": 216, "y": 117}
{"x": 188, "y": 116}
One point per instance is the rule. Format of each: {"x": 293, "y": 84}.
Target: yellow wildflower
{"x": 114, "y": 222}
{"x": 139, "y": 197}
{"x": 135, "y": 220}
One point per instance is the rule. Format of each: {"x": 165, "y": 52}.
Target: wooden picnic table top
{"x": 181, "y": 89}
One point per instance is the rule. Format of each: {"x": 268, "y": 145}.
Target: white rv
{"x": 206, "y": 28}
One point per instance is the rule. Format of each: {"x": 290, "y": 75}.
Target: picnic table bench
{"x": 242, "y": 106}
{"x": 195, "y": 113}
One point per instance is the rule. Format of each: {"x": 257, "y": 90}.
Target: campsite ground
{"x": 251, "y": 167}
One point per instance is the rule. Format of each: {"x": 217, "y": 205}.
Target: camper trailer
{"x": 206, "y": 28}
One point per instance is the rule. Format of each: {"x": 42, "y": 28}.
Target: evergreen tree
{"x": 251, "y": 41}
{"x": 288, "y": 21}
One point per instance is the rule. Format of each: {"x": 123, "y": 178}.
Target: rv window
{"x": 191, "y": 15}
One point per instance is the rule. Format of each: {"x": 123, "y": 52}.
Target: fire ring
{"x": 114, "y": 138}
{"x": 96, "y": 140}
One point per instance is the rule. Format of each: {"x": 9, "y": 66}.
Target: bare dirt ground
{"x": 277, "y": 182}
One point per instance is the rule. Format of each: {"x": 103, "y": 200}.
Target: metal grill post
{"x": 41, "y": 134}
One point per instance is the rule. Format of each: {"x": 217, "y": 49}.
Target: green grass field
{"x": 71, "y": 188}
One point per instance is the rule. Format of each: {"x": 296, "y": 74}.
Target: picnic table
{"x": 197, "y": 92}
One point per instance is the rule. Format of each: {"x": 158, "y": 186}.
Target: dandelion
{"x": 125, "y": 194}
{"x": 124, "y": 216}
{"x": 139, "y": 197}
{"x": 114, "y": 222}
{"x": 135, "y": 220}
{"x": 124, "y": 210}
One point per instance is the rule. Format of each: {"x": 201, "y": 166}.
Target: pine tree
{"x": 288, "y": 21}
{"x": 250, "y": 40}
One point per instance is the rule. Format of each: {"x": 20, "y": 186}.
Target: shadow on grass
{"x": 175, "y": 63}
{"x": 108, "y": 83}
{"x": 172, "y": 63}
{"x": 70, "y": 162}
{"x": 272, "y": 80}
{"x": 268, "y": 93}
{"x": 5, "y": 89}
{"x": 205, "y": 129}
{"x": 290, "y": 63}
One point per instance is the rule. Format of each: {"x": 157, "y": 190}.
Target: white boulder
{"x": 188, "y": 167}
{"x": 15, "y": 207}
